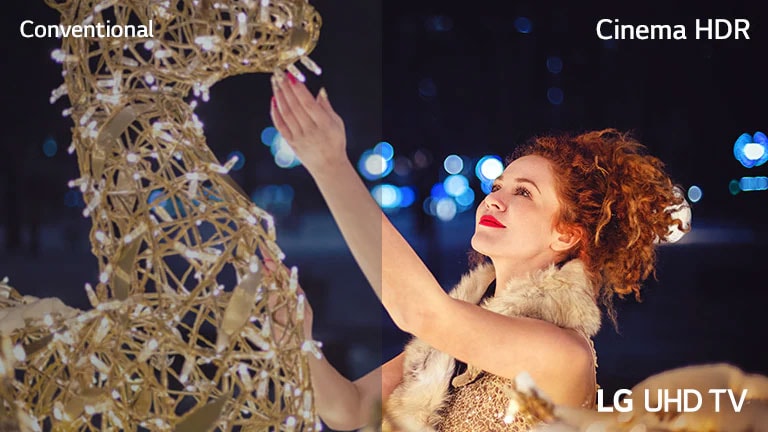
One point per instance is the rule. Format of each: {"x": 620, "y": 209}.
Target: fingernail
{"x": 279, "y": 75}
{"x": 323, "y": 93}
{"x": 291, "y": 78}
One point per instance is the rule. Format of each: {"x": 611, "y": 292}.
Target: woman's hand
{"x": 310, "y": 125}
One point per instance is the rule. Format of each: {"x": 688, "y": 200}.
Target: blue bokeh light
{"x": 467, "y": 198}
{"x": 407, "y": 195}
{"x": 486, "y": 186}
{"x": 523, "y": 25}
{"x": 438, "y": 191}
{"x": 694, "y": 194}
{"x": 554, "y": 64}
{"x": 751, "y": 151}
{"x": 384, "y": 149}
{"x": 555, "y": 95}
{"x": 748, "y": 184}
{"x": 268, "y": 136}
{"x": 50, "y": 147}
{"x": 276, "y": 199}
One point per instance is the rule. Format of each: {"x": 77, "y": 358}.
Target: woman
{"x": 571, "y": 222}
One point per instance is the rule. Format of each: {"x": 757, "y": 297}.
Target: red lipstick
{"x": 491, "y": 221}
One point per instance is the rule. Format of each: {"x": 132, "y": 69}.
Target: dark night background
{"x": 438, "y": 78}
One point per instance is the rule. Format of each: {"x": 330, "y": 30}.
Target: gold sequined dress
{"x": 482, "y": 406}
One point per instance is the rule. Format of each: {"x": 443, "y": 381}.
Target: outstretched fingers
{"x": 279, "y": 121}
{"x": 293, "y": 105}
{"x": 297, "y": 92}
{"x": 325, "y": 105}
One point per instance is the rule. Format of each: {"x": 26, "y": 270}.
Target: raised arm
{"x": 411, "y": 295}
{"x": 317, "y": 136}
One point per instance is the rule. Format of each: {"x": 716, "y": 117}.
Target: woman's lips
{"x": 491, "y": 221}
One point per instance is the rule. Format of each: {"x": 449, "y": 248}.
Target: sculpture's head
{"x": 193, "y": 42}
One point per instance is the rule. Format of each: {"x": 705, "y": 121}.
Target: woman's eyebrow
{"x": 525, "y": 180}
{"x": 522, "y": 180}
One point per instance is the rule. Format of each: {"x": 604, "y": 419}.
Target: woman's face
{"x": 515, "y": 221}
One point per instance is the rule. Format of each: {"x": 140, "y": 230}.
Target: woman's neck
{"x": 507, "y": 270}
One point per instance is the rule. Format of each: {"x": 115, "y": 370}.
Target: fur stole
{"x": 562, "y": 296}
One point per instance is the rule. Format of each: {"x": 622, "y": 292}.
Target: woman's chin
{"x": 479, "y": 245}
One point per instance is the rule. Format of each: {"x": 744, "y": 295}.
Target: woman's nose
{"x": 492, "y": 202}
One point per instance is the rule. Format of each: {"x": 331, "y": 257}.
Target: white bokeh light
{"x": 455, "y": 184}
{"x": 754, "y": 151}
{"x": 375, "y": 164}
{"x": 453, "y": 164}
{"x": 445, "y": 209}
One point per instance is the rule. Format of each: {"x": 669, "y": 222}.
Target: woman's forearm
{"x": 398, "y": 276}
{"x": 341, "y": 403}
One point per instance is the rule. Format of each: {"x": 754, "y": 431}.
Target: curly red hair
{"x": 613, "y": 195}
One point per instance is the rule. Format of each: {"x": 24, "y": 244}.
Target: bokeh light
{"x": 754, "y": 151}
{"x": 268, "y": 136}
{"x": 50, "y": 147}
{"x": 276, "y": 199}
{"x": 748, "y": 184}
{"x": 750, "y": 150}
{"x": 555, "y": 95}
{"x": 488, "y": 168}
{"x": 466, "y": 198}
{"x": 283, "y": 153}
{"x": 554, "y": 64}
{"x": 445, "y": 209}
{"x": 387, "y": 195}
{"x": 384, "y": 149}
{"x": 407, "y": 196}
{"x": 403, "y": 166}
{"x": 733, "y": 187}
{"x": 455, "y": 184}
{"x": 438, "y": 191}
{"x": 374, "y": 166}
{"x": 422, "y": 158}
{"x": 694, "y": 194}
{"x": 453, "y": 164}
{"x": 523, "y": 25}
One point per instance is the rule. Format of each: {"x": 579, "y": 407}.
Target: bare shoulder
{"x": 570, "y": 377}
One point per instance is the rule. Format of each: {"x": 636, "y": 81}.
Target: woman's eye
{"x": 520, "y": 190}
{"x": 495, "y": 187}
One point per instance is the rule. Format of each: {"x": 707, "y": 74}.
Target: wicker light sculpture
{"x": 185, "y": 331}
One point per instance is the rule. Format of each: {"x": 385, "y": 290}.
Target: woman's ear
{"x": 566, "y": 238}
